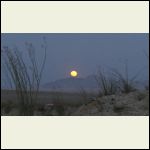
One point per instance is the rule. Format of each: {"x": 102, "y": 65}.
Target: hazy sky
{"x": 84, "y": 52}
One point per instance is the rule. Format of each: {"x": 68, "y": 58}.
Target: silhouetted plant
{"x": 106, "y": 83}
{"x": 25, "y": 79}
{"x": 124, "y": 82}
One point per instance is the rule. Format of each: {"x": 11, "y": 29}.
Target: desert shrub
{"x": 106, "y": 83}
{"x": 26, "y": 79}
{"x": 125, "y": 83}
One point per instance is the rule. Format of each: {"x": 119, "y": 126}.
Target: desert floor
{"x": 80, "y": 104}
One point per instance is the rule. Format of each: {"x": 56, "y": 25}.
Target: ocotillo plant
{"x": 26, "y": 80}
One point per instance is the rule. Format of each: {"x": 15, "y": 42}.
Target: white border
{"x": 75, "y": 132}
{"x": 75, "y": 17}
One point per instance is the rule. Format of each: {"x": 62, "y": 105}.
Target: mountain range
{"x": 72, "y": 84}
{"x": 88, "y": 84}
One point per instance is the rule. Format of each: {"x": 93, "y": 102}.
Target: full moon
{"x": 74, "y": 73}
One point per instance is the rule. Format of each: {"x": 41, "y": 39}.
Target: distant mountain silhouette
{"x": 72, "y": 84}
{"x": 88, "y": 83}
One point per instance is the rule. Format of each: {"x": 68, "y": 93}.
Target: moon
{"x": 73, "y": 73}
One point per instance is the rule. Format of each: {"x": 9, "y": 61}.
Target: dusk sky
{"x": 85, "y": 52}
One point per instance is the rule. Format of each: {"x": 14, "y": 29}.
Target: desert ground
{"x": 80, "y": 104}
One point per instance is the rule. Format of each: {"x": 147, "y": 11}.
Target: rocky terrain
{"x": 132, "y": 104}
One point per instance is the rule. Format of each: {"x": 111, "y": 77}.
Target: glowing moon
{"x": 74, "y": 73}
